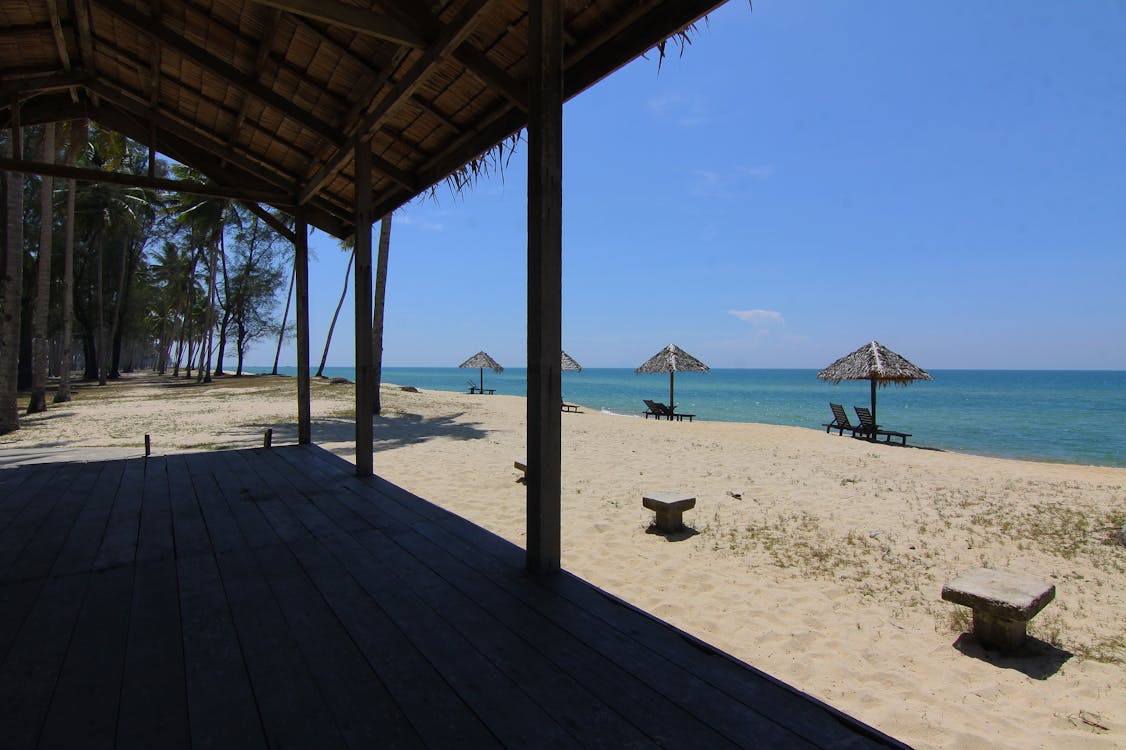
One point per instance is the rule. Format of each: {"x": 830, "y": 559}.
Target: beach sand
{"x": 816, "y": 558}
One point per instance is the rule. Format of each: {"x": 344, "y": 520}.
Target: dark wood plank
{"x": 31, "y": 667}
{"x": 41, "y": 525}
{"x": 616, "y": 627}
{"x": 98, "y": 484}
{"x": 154, "y": 704}
{"x": 221, "y": 708}
{"x": 520, "y": 695}
{"x": 83, "y": 710}
{"x": 18, "y": 485}
{"x": 119, "y": 543}
{"x": 155, "y": 540}
{"x": 189, "y": 531}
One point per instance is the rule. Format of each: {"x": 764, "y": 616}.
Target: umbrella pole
{"x": 672, "y": 404}
{"x": 873, "y": 380}
{"x": 481, "y": 372}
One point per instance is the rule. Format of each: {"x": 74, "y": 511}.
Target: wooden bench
{"x": 1002, "y": 603}
{"x": 669, "y": 507}
{"x": 569, "y": 407}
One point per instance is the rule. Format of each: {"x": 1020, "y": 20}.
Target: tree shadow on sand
{"x": 389, "y": 432}
{"x": 1037, "y": 659}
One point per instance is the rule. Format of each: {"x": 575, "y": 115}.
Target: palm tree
{"x": 208, "y": 217}
{"x": 377, "y": 310}
{"x": 76, "y": 142}
{"x": 39, "y": 359}
{"x": 11, "y": 293}
{"x": 343, "y": 293}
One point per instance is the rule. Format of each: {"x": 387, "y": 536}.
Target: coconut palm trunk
{"x": 11, "y": 292}
{"x": 77, "y": 140}
{"x": 335, "y": 315}
{"x": 39, "y": 353}
{"x": 377, "y": 308}
{"x": 285, "y": 319}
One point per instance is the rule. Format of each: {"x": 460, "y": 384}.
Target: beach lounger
{"x": 840, "y": 421}
{"x": 658, "y": 410}
{"x": 570, "y": 407}
{"x": 868, "y": 426}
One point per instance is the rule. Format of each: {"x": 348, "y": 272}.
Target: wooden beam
{"x": 148, "y": 25}
{"x": 365, "y": 363}
{"x": 491, "y": 75}
{"x": 60, "y": 41}
{"x": 85, "y": 34}
{"x": 271, "y": 221}
{"x": 142, "y": 181}
{"x": 545, "y": 286}
{"x": 44, "y": 84}
{"x": 371, "y": 23}
{"x": 301, "y": 283}
{"x": 453, "y": 35}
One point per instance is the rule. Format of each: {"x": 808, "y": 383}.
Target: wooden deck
{"x": 268, "y": 598}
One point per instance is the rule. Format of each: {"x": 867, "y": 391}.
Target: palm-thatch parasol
{"x": 567, "y": 362}
{"x": 481, "y": 360}
{"x": 876, "y": 363}
{"x": 672, "y": 359}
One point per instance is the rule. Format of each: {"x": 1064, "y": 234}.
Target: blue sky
{"x": 948, "y": 179}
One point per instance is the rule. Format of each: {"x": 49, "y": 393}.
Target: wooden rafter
{"x": 378, "y": 25}
{"x": 142, "y": 181}
{"x": 450, "y": 38}
{"x": 202, "y": 57}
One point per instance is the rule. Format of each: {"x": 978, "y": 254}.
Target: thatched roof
{"x": 267, "y": 98}
{"x": 874, "y": 361}
{"x": 672, "y": 359}
{"x": 480, "y": 360}
{"x": 568, "y": 363}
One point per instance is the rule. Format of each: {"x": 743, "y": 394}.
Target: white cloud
{"x": 758, "y": 316}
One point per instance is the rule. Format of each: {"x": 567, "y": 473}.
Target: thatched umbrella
{"x": 481, "y": 360}
{"x": 672, "y": 359}
{"x": 876, "y": 363}
{"x": 566, "y": 362}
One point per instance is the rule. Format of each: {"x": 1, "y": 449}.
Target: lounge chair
{"x": 840, "y": 421}
{"x": 658, "y": 410}
{"x": 868, "y": 426}
{"x": 569, "y": 407}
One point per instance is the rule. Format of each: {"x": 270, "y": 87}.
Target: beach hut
{"x": 481, "y": 360}
{"x": 672, "y": 359}
{"x": 877, "y": 364}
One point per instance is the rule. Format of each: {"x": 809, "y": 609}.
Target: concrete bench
{"x": 1002, "y": 603}
{"x": 670, "y": 507}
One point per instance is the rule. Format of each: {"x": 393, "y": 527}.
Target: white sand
{"x": 816, "y": 558}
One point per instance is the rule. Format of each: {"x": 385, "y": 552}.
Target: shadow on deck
{"x": 268, "y": 597}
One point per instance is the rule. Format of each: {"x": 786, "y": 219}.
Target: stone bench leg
{"x": 670, "y": 519}
{"x": 998, "y": 634}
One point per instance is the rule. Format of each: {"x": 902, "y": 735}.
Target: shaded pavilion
{"x": 336, "y": 113}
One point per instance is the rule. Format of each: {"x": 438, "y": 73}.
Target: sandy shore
{"x": 816, "y": 558}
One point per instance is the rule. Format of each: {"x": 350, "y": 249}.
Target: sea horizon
{"x": 1062, "y": 416}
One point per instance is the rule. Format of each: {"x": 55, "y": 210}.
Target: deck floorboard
{"x": 268, "y": 598}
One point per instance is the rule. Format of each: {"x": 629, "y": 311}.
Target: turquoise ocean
{"x": 1065, "y": 416}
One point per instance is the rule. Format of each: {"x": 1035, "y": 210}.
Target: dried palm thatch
{"x": 568, "y": 363}
{"x": 481, "y": 360}
{"x": 672, "y": 359}
{"x": 876, "y": 363}
{"x": 271, "y": 99}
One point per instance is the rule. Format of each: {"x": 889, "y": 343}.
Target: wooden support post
{"x": 545, "y": 288}
{"x": 148, "y": 445}
{"x": 365, "y": 364}
{"x": 268, "y": 438}
{"x": 301, "y": 268}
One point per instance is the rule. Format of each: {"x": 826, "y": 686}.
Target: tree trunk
{"x": 377, "y": 309}
{"x": 226, "y": 309}
{"x": 285, "y": 319}
{"x": 39, "y": 358}
{"x": 332, "y": 326}
{"x": 118, "y": 307}
{"x": 77, "y": 138}
{"x": 11, "y": 290}
{"x": 212, "y": 274}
